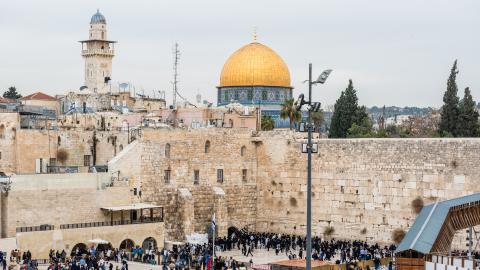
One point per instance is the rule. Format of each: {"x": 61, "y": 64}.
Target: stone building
{"x": 26, "y": 150}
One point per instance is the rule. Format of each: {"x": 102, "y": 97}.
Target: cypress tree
{"x": 468, "y": 120}
{"x": 345, "y": 112}
{"x": 450, "y": 110}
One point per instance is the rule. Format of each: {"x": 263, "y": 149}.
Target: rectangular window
{"x": 86, "y": 160}
{"x": 0, "y": 155}
{"x": 220, "y": 175}
{"x": 196, "y": 177}
{"x": 244, "y": 175}
{"x": 53, "y": 162}
{"x": 166, "y": 176}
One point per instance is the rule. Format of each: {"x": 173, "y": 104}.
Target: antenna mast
{"x": 176, "y": 57}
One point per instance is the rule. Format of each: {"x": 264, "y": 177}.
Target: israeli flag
{"x": 213, "y": 222}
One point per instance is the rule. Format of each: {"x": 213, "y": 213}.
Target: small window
{"x": 167, "y": 150}
{"x": 0, "y": 155}
{"x": 220, "y": 175}
{"x": 244, "y": 175}
{"x": 243, "y": 151}
{"x": 59, "y": 140}
{"x": 196, "y": 177}
{"x": 2, "y": 131}
{"x": 53, "y": 162}
{"x": 207, "y": 147}
{"x": 264, "y": 95}
{"x": 120, "y": 147}
{"x": 166, "y": 176}
{"x": 86, "y": 160}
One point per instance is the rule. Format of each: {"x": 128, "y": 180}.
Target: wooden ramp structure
{"x": 434, "y": 229}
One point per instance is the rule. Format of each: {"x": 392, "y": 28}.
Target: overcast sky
{"x": 397, "y": 52}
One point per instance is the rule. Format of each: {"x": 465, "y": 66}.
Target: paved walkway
{"x": 261, "y": 256}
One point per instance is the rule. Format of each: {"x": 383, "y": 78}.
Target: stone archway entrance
{"x": 233, "y": 231}
{"x": 79, "y": 249}
{"x": 127, "y": 244}
{"x": 149, "y": 243}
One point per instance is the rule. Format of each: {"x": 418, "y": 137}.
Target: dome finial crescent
{"x": 254, "y": 34}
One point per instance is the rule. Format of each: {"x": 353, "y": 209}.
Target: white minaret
{"x": 98, "y": 53}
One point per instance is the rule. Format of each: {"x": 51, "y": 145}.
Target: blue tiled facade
{"x": 270, "y": 96}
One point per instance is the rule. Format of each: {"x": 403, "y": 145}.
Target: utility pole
{"x": 176, "y": 57}
{"x": 315, "y": 107}
{"x": 309, "y": 174}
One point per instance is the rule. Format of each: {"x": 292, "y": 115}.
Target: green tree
{"x": 362, "y": 129}
{"x": 288, "y": 111}
{"x": 317, "y": 118}
{"x": 467, "y": 124}
{"x": 345, "y": 113}
{"x": 267, "y": 122}
{"x": 450, "y": 109}
{"x": 11, "y": 93}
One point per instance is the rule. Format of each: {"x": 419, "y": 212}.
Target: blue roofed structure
{"x": 430, "y": 233}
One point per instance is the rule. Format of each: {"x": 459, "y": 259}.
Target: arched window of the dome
{"x": 236, "y": 96}
{"x": 250, "y": 94}
{"x": 264, "y": 95}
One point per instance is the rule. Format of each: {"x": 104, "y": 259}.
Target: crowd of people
{"x": 294, "y": 246}
{"x": 201, "y": 257}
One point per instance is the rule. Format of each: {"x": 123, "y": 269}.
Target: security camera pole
{"x": 315, "y": 106}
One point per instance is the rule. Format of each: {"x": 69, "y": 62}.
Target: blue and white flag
{"x": 213, "y": 222}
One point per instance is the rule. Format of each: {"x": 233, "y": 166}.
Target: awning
{"x": 135, "y": 206}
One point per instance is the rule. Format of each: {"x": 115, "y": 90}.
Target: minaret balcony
{"x": 98, "y": 52}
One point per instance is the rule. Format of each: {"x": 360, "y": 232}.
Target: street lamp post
{"x": 312, "y": 106}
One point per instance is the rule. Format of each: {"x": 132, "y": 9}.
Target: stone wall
{"x": 40, "y": 243}
{"x": 57, "y": 199}
{"x": 24, "y": 146}
{"x": 9, "y": 124}
{"x": 357, "y": 183}
{"x": 187, "y": 155}
{"x": 360, "y": 183}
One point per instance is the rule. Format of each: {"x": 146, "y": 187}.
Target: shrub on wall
{"x": 398, "y": 235}
{"x": 417, "y": 205}
{"x": 328, "y": 231}
{"x": 62, "y": 155}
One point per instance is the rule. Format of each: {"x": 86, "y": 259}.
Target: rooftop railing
{"x": 110, "y": 223}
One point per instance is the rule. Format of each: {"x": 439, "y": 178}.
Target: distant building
{"x": 98, "y": 53}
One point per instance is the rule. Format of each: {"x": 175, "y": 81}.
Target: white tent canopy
{"x": 98, "y": 241}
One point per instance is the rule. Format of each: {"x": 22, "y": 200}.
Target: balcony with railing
{"x": 98, "y": 52}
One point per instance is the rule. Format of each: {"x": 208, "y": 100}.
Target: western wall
{"x": 363, "y": 188}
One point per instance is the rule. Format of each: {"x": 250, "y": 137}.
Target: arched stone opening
{"x": 127, "y": 244}
{"x": 207, "y": 147}
{"x": 104, "y": 247}
{"x": 243, "y": 151}
{"x": 167, "y": 150}
{"x": 2, "y": 131}
{"x": 149, "y": 243}
{"x": 79, "y": 249}
{"x": 233, "y": 231}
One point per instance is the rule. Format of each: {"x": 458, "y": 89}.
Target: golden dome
{"x": 255, "y": 65}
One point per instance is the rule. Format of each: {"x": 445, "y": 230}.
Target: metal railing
{"x": 110, "y": 223}
{"x": 45, "y": 227}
